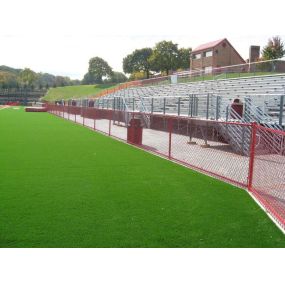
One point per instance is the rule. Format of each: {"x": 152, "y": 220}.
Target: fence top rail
{"x": 167, "y": 116}
{"x": 184, "y": 117}
{"x": 279, "y": 132}
{"x": 182, "y": 96}
{"x": 252, "y": 88}
{"x": 246, "y": 93}
{"x": 136, "y": 85}
{"x": 198, "y": 72}
{"x": 201, "y": 82}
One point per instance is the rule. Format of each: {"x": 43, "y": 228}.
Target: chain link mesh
{"x": 207, "y": 145}
{"x": 268, "y": 173}
{"x": 245, "y": 154}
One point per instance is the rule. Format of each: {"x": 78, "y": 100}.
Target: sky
{"x": 60, "y": 37}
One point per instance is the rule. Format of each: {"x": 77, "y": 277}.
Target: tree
{"x": 45, "y": 79}
{"x": 128, "y": 64}
{"x": 117, "y": 77}
{"x": 8, "y": 80}
{"x": 98, "y": 68}
{"x": 140, "y": 75}
{"x": 165, "y": 57}
{"x": 28, "y": 77}
{"x": 138, "y": 61}
{"x": 87, "y": 79}
{"x": 184, "y": 58}
{"x": 62, "y": 81}
{"x": 274, "y": 49}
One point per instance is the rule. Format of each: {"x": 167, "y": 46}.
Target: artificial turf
{"x": 63, "y": 185}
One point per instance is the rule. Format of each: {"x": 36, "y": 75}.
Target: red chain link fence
{"x": 247, "y": 155}
{"x": 267, "y": 174}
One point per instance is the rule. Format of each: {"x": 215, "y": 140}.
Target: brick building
{"x": 214, "y": 54}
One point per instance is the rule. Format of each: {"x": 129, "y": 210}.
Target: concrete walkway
{"x": 218, "y": 159}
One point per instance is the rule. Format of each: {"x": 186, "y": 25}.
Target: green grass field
{"x": 78, "y": 91}
{"x": 63, "y": 185}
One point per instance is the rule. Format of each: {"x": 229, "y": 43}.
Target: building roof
{"x": 208, "y": 45}
{"x": 214, "y": 44}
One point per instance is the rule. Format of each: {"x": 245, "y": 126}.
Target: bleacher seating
{"x": 264, "y": 91}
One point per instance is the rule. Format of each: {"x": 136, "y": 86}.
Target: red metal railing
{"x": 118, "y": 87}
{"x": 253, "y": 158}
{"x": 239, "y": 70}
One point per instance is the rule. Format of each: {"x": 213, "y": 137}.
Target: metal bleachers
{"x": 262, "y": 99}
{"x": 204, "y": 99}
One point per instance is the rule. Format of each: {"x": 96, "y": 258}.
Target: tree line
{"x": 164, "y": 58}
{"x": 28, "y": 79}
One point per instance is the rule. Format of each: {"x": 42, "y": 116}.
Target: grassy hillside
{"x": 79, "y": 91}
{"x": 68, "y": 186}
{"x": 12, "y": 70}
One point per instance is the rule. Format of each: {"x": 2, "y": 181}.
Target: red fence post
{"x": 83, "y": 114}
{"x": 252, "y": 155}
{"x": 170, "y": 127}
{"x": 94, "y": 123}
{"x": 110, "y": 119}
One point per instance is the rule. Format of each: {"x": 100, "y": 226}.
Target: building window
{"x": 197, "y": 56}
{"x": 208, "y": 53}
